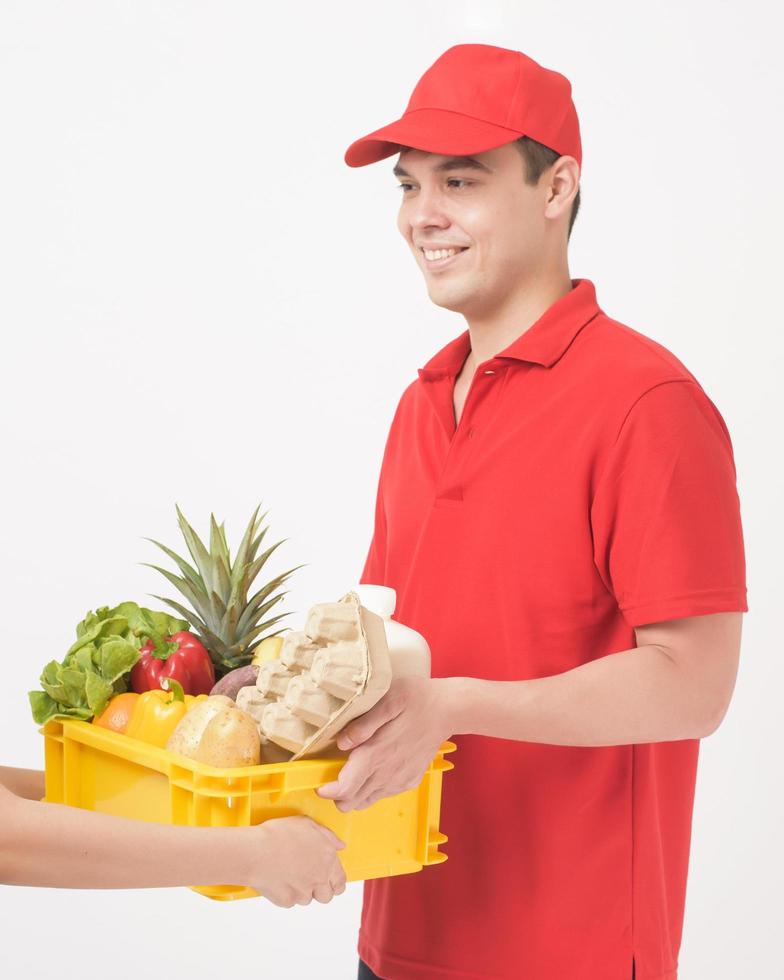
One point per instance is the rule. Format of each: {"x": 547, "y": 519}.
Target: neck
{"x": 492, "y": 332}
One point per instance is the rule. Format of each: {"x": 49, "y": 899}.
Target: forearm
{"x": 58, "y": 846}
{"x": 28, "y": 783}
{"x": 637, "y": 695}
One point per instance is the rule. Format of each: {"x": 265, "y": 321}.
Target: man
{"x": 557, "y": 512}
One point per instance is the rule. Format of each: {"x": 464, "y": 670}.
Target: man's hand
{"x": 392, "y": 744}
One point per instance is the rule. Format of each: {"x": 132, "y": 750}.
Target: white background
{"x": 201, "y": 302}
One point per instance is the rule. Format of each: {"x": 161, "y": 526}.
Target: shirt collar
{"x": 542, "y": 343}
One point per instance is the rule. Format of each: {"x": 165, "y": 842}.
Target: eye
{"x": 451, "y": 180}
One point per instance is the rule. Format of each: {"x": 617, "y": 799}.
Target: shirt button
{"x": 471, "y": 433}
{"x": 489, "y": 372}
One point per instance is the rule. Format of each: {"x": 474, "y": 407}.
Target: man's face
{"x": 498, "y": 218}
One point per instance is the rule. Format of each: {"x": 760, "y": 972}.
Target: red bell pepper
{"x": 181, "y": 656}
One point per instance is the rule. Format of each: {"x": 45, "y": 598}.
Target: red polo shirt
{"x": 588, "y": 488}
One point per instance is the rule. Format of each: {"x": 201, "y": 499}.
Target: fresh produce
{"x": 157, "y": 713}
{"x": 118, "y": 712}
{"x": 231, "y": 683}
{"x": 228, "y": 620}
{"x": 333, "y": 670}
{"x": 218, "y": 733}
{"x": 268, "y": 649}
{"x": 181, "y": 657}
{"x": 97, "y": 665}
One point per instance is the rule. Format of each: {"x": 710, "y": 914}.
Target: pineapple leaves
{"x": 254, "y": 613}
{"x": 215, "y": 646}
{"x": 239, "y": 573}
{"x": 218, "y": 607}
{"x": 218, "y": 545}
{"x": 219, "y": 553}
{"x": 222, "y": 584}
{"x": 190, "y": 573}
{"x": 187, "y": 614}
{"x": 217, "y": 588}
{"x": 257, "y": 541}
{"x": 198, "y": 552}
{"x": 263, "y": 626}
{"x": 190, "y": 593}
{"x": 250, "y": 613}
{"x": 256, "y": 565}
{"x": 228, "y": 626}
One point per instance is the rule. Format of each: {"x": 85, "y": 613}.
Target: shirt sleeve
{"x": 665, "y": 515}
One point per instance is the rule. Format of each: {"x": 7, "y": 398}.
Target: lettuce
{"x": 97, "y": 665}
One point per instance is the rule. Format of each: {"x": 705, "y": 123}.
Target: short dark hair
{"x": 537, "y": 158}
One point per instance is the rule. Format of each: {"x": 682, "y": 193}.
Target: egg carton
{"x": 328, "y": 673}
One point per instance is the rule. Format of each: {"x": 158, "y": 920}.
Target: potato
{"x": 217, "y": 733}
{"x": 230, "y": 683}
{"x": 230, "y": 739}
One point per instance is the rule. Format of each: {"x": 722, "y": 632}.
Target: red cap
{"x": 476, "y": 97}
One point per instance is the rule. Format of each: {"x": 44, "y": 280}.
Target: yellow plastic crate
{"x": 97, "y": 769}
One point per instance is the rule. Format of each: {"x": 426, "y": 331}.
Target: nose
{"x": 428, "y": 210}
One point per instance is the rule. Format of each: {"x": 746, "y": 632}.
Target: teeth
{"x": 440, "y": 253}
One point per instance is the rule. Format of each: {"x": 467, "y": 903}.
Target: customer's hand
{"x": 293, "y": 860}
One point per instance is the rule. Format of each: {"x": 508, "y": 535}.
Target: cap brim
{"x": 431, "y": 130}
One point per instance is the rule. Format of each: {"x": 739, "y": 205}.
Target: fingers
{"x": 352, "y": 794}
{"x": 338, "y": 876}
{"x": 371, "y": 799}
{"x": 354, "y": 735}
{"x": 333, "y": 839}
{"x": 353, "y": 776}
{"x": 337, "y": 885}
{"x": 356, "y": 772}
{"x": 328, "y": 835}
{"x": 323, "y": 893}
{"x": 329, "y": 790}
{"x": 364, "y": 727}
{"x": 283, "y": 899}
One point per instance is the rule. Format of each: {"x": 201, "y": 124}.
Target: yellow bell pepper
{"x": 157, "y": 713}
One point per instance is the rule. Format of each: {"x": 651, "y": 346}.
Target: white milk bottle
{"x": 408, "y": 650}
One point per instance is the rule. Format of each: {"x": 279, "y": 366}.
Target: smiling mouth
{"x": 443, "y": 262}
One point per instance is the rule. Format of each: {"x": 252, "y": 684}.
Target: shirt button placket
{"x": 471, "y": 432}
{"x": 450, "y": 486}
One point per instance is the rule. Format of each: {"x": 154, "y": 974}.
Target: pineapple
{"x": 226, "y": 619}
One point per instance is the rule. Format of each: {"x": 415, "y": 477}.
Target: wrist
{"x": 226, "y": 855}
{"x": 456, "y": 697}
{"x": 253, "y": 854}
